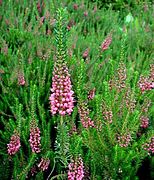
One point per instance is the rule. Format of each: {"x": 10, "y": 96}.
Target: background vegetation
{"x": 108, "y": 49}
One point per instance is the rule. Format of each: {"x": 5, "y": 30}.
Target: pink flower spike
{"x": 106, "y": 43}
{"x": 144, "y": 122}
{"x": 76, "y": 169}
{"x": 44, "y": 164}
{"x": 62, "y": 94}
{"x": 35, "y": 139}
{"x": 14, "y": 144}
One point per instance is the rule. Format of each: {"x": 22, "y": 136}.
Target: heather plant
{"x": 77, "y": 84}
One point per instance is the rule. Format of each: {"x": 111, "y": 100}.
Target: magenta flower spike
{"x": 144, "y": 121}
{"x": 35, "y": 139}
{"x": 91, "y": 94}
{"x": 84, "y": 116}
{"x": 150, "y": 146}
{"x": 44, "y": 164}
{"x": 76, "y": 169}
{"x": 145, "y": 84}
{"x": 61, "y": 98}
{"x": 106, "y": 43}
{"x": 14, "y": 144}
{"x": 124, "y": 140}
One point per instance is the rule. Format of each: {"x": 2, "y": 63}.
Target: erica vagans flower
{"x": 14, "y": 144}
{"x": 61, "y": 98}
{"x": 144, "y": 121}
{"x": 76, "y": 169}
{"x": 35, "y": 139}
{"x": 106, "y": 43}
{"x": 44, "y": 164}
{"x": 84, "y": 116}
{"x": 124, "y": 140}
{"x": 150, "y": 146}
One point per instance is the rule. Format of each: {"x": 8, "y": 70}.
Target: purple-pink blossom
{"x": 106, "y": 43}
{"x": 44, "y": 164}
{"x": 14, "y": 144}
{"x": 35, "y": 139}
{"x": 91, "y": 94}
{"x": 76, "y": 169}
{"x": 124, "y": 140}
{"x": 144, "y": 121}
{"x": 150, "y": 146}
{"x": 147, "y": 83}
{"x": 61, "y": 98}
{"x": 107, "y": 115}
{"x": 84, "y": 116}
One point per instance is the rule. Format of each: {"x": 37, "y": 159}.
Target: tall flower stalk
{"x": 35, "y": 138}
{"x": 61, "y": 98}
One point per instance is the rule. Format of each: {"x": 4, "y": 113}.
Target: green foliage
{"x": 35, "y": 37}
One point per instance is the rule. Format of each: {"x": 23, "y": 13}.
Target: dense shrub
{"x": 76, "y": 83}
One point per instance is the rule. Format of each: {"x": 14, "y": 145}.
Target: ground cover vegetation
{"x": 76, "y": 90}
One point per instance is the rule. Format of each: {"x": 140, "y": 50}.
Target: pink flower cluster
{"x": 91, "y": 93}
{"x": 144, "y": 122}
{"x": 122, "y": 75}
{"x": 44, "y": 164}
{"x": 130, "y": 100}
{"x": 14, "y": 144}
{"x": 35, "y": 139}
{"x": 106, "y": 43}
{"x": 107, "y": 115}
{"x": 61, "y": 99}
{"x": 124, "y": 140}
{"x": 76, "y": 169}
{"x": 145, "y": 84}
{"x": 21, "y": 80}
{"x": 150, "y": 146}
{"x": 84, "y": 116}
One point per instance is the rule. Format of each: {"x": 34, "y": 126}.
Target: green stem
{"x": 52, "y": 170}
{"x": 61, "y": 120}
{"x": 57, "y": 176}
{"x": 23, "y": 174}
